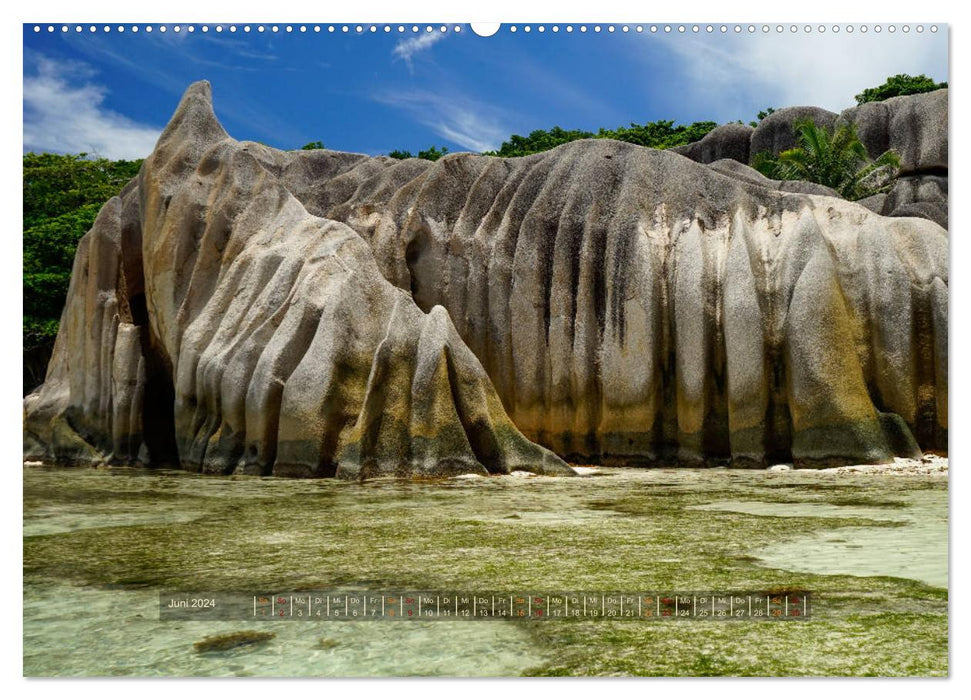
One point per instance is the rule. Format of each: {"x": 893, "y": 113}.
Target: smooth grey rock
{"x": 877, "y": 203}
{"x": 726, "y": 141}
{"x": 915, "y": 126}
{"x": 734, "y": 169}
{"x": 920, "y": 195}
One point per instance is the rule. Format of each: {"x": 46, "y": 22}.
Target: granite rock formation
{"x": 734, "y": 169}
{"x": 318, "y": 313}
{"x": 915, "y": 126}
{"x": 725, "y": 141}
{"x": 211, "y": 321}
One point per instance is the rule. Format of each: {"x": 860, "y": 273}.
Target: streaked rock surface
{"x": 211, "y": 321}
{"x": 321, "y": 313}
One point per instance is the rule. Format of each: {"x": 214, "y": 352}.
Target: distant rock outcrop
{"x": 733, "y": 168}
{"x": 726, "y": 141}
{"x": 915, "y": 126}
{"x": 320, "y": 313}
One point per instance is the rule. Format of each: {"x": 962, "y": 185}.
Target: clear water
{"x": 83, "y": 631}
{"x": 916, "y": 550}
{"x": 100, "y": 544}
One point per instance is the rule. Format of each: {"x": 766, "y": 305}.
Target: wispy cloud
{"x": 470, "y": 124}
{"x": 407, "y": 48}
{"x": 64, "y": 112}
{"x": 787, "y": 69}
{"x": 239, "y": 47}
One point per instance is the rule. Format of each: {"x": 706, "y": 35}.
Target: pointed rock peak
{"x": 194, "y": 119}
{"x": 201, "y": 90}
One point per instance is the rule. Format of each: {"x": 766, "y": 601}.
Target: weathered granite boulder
{"x": 280, "y": 346}
{"x": 915, "y": 126}
{"x": 726, "y": 141}
{"x": 775, "y": 133}
{"x": 733, "y": 168}
{"x": 914, "y": 195}
{"x": 634, "y": 306}
{"x": 318, "y": 313}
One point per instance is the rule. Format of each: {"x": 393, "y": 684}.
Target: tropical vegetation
{"x": 833, "y": 157}
{"x": 431, "y": 153}
{"x": 62, "y": 197}
{"x": 658, "y": 134}
{"x": 896, "y": 85}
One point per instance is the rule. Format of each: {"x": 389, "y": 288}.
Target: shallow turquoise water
{"x": 99, "y": 544}
{"x": 83, "y": 631}
{"x": 917, "y": 550}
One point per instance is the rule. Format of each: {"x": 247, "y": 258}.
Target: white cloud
{"x": 64, "y": 112}
{"x": 407, "y": 48}
{"x": 821, "y": 69}
{"x": 470, "y": 124}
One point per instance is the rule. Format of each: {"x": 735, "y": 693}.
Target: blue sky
{"x": 112, "y": 93}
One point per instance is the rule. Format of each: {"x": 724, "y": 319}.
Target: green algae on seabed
{"x": 234, "y": 640}
{"x": 90, "y": 592}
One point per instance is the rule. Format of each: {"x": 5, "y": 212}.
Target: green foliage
{"x": 432, "y": 153}
{"x": 57, "y": 184}
{"x": 659, "y": 134}
{"x": 832, "y": 157}
{"x": 762, "y": 115}
{"x": 901, "y": 84}
{"x": 313, "y": 146}
{"x": 62, "y": 197}
{"x": 538, "y": 141}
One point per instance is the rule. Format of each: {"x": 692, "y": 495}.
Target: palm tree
{"x": 832, "y": 157}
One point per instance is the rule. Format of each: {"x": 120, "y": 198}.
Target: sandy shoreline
{"x": 928, "y": 465}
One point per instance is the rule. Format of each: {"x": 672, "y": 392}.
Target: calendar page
{"x": 485, "y": 350}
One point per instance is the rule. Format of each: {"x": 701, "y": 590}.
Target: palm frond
{"x": 833, "y": 157}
